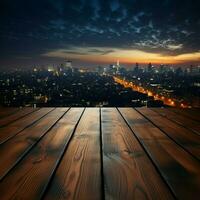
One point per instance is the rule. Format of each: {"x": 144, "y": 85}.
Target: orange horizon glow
{"x": 125, "y": 56}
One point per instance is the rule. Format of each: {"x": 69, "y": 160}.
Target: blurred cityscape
{"x": 114, "y": 85}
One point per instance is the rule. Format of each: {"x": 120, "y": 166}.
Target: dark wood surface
{"x": 193, "y": 113}
{"x": 99, "y": 153}
{"x": 182, "y": 136}
{"x": 182, "y": 120}
{"x": 16, "y": 116}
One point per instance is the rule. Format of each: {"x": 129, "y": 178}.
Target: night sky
{"x": 93, "y": 32}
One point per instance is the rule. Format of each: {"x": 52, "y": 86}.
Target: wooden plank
{"x": 29, "y": 179}
{"x": 16, "y": 116}
{"x": 128, "y": 172}
{"x": 79, "y": 173}
{"x": 4, "y": 112}
{"x": 190, "y": 113}
{"x": 14, "y": 150}
{"x": 181, "y": 120}
{"x": 185, "y": 138}
{"x": 16, "y": 127}
{"x": 180, "y": 170}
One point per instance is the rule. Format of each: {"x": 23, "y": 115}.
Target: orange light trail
{"x": 167, "y": 101}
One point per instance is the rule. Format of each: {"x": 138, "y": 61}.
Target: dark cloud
{"x": 29, "y": 28}
{"x": 101, "y": 52}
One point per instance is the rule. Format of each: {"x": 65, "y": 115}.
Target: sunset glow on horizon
{"x": 109, "y": 55}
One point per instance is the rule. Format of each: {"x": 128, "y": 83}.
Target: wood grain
{"x": 180, "y": 119}
{"x": 122, "y": 153}
{"x": 18, "y": 115}
{"x": 79, "y": 173}
{"x": 16, "y": 127}
{"x": 190, "y": 113}
{"x": 15, "y": 149}
{"x": 29, "y": 179}
{"x": 128, "y": 172}
{"x": 187, "y": 139}
{"x": 4, "y": 112}
{"x": 180, "y": 170}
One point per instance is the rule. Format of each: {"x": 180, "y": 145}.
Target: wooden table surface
{"x": 99, "y": 153}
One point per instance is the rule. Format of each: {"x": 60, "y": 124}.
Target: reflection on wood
{"x": 99, "y": 153}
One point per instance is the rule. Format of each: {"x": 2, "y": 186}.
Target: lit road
{"x": 166, "y": 100}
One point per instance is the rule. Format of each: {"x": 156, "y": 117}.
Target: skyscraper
{"x": 118, "y": 67}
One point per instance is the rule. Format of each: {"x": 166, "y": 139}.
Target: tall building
{"x": 136, "y": 68}
{"x": 162, "y": 69}
{"x": 68, "y": 64}
{"x": 117, "y": 62}
{"x": 118, "y": 67}
{"x": 192, "y": 70}
{"x": 149, "y": 68}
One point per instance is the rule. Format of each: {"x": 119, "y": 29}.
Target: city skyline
{"x": 95, "y": 32}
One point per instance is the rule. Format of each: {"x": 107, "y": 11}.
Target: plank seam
{"x": 26, "y": 127}
{"x": 195, "y": 132}
{"x": 187, "y": 151}
{"x": 191, "y": 118}
{"x": 29, "y": 149}
{"x": 11, "y": 113}
{"x": 49, "y": 182}
{"x": 151, "y": 160}
{"x": 4, "y": 125}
